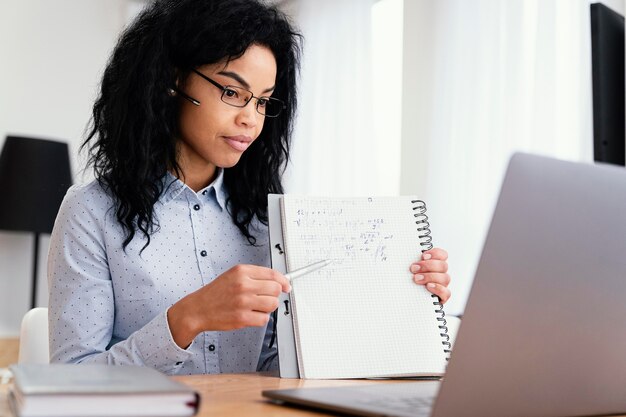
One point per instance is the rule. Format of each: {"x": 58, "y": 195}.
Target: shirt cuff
{"x": 162, "y": 352}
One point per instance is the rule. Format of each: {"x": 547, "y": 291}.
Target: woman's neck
{"x": 196, "y": 179}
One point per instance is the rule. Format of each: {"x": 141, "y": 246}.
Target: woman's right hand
{"x": 243, "y": 296}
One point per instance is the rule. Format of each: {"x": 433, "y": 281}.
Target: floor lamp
{"x": 34, "y": 176}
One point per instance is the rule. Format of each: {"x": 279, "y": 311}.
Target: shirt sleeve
{"x": 81, "y": 297}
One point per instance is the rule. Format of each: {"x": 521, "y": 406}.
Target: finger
{"x": 439, "y": 290}
{"x": 266, "y": 287}
{"x": 258, "y": 319}
{"x": 437, "y": 278}
{"x": 263, "y": 273}
{"x": 435, "y": 253}
{"x": 432, "y": 265}
{"x": 250, "y": 318}
{"x": 265, "y": 304}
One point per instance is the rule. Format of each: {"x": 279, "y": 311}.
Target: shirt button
{"x": 196, "y": 207}
{"x": 204, "y": 192}
{"x": 211, "y": 348}
{"x": 203, "y": 253}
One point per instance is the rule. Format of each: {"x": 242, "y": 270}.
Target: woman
{"x": 163, "y": 260}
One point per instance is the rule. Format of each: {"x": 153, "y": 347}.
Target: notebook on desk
{"x": 97, "y": 390}
{"x": 544, "y": 329}
{"x": 343, "y": 326}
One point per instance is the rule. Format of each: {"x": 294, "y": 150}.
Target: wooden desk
{"x": 8, "y": 352}
{"x": 240, "y": 394}
{"x": 236, "y": 394}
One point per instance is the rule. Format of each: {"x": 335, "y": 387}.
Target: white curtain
{"x": 508, "y": 75}
{"x": 333, "y": 148}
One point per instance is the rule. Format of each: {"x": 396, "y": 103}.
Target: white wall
{"x": 52, "y": 54}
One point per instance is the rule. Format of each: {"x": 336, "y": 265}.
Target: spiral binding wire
{"x": 426, "y": 242}
{"x": 423, "y": 227}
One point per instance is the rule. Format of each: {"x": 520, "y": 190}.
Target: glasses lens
{"x": 239, "y": 97}
{"x": 270, "y": 107}
{"x": 236, "y": 96}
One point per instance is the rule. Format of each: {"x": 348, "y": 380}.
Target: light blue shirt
{"x": 109, "y": 305}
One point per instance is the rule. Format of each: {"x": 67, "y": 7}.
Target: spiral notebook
{"x": 362, "y": 316}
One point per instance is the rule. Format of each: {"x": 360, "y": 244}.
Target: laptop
{"x": 544, "y": 329}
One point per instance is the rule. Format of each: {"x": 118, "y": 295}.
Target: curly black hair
{"x": 132, "y": 137}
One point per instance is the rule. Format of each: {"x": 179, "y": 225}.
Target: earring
{"x": 171, "y": 92}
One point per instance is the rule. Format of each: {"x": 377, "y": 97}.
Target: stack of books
{"x": 97, "y": 390}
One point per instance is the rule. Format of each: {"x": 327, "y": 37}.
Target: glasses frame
{"x": 280, "y": 104}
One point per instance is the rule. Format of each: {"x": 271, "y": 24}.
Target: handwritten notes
{"x": 332, "y": 232}
{"x": 342, "y": 230}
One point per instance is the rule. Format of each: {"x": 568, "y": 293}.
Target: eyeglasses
{"x": 240, "y": 97}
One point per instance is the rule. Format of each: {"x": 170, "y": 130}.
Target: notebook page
{"x": 361, "y": 316}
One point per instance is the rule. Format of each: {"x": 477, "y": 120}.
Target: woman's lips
{"x": 239, "y": 143}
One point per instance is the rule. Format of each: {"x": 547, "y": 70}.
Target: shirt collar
{"x": 218, "y": 188}
{"x": 173, "y": 187}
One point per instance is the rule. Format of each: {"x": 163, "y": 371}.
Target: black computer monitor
{"x": 607, "y": 55}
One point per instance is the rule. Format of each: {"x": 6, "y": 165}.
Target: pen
{"x": 307, "y": 269}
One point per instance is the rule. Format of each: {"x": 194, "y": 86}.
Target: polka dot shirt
{"x": 109, "y": 305}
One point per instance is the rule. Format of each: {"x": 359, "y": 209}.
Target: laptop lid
{"x": 544, "y": 329}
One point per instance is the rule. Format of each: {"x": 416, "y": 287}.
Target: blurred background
{"x": 420, "y": 97}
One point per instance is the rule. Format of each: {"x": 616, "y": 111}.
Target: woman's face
{"x": 215, "y": 134}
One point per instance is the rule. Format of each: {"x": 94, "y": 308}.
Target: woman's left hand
{"x": 432, "y": 271}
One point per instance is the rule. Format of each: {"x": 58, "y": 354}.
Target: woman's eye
{"x": 262, "y": 102}
{"x": 230, "y": 93}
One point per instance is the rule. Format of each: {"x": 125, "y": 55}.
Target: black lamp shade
{"x": 34, "y": 177}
